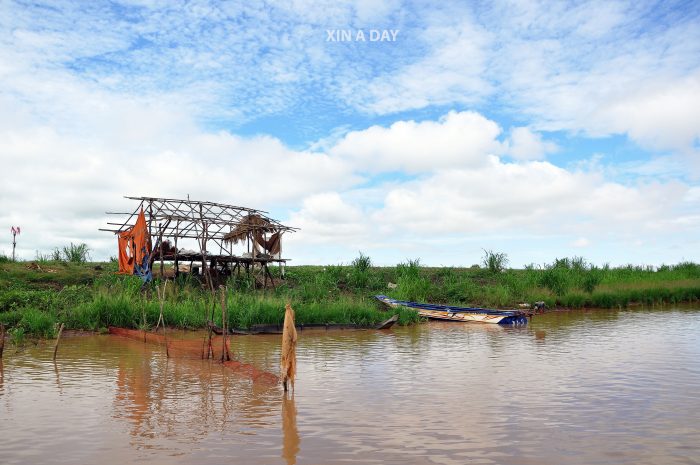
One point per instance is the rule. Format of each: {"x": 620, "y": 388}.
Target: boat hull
{"x": 474, "y": 317}
{"x": 460, "y": 314}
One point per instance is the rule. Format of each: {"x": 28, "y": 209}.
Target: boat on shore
{"x": 463, "y": 314}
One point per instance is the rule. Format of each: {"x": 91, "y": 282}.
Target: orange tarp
{"x": 134, "y": 245}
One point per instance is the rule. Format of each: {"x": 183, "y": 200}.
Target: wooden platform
{"x": 217, "y": 263}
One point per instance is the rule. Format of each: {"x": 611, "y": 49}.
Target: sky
{"x": 404, "y": 130}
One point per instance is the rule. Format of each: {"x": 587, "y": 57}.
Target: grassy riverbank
{"x": 569, "y": 283}
{"x": 34, "y": 296}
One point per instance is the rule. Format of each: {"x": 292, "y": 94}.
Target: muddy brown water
{"x": 601, "y": 387}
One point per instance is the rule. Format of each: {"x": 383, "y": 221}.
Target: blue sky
{"x": 540, "y": 129}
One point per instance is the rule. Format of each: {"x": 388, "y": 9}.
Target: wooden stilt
{"x": 177, "y": 263}
{"x": 268, "y": 274}
{"x": 160, "y": 251}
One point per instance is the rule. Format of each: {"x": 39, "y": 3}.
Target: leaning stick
{"x": 58, "y": 338}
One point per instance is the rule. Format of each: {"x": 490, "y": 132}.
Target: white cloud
{"x": 465, "y": 191}
{"x": 660, "y": 116}
{"x": 98, "y": 101}
{"x": 693, "y": 195}
{"x": 455, "y": 140}
{"x": 58, "y": 186}
{"x": 327, "y": 217}
{"x": 452, "y": 71}
{"x": 596, "y": 68}
{"x": 525, "y": 144}
{"x": 581, "y": 242}
{"x": 588, "y": 70}
{"x": 527, "y": 197}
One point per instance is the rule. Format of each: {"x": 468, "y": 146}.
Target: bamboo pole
{"x": 150, "y": 217}
{"x": 177, "y": 262}
{"x": 225, "y": 355}
{"x": 160, "y": 251}
{"x": 58, "y": 338}
{"x": 161, "y": 299}
{"x": 143, "y": 316}
{"x": 208, "y": 278}
{"x": 288, "y": 357}
{"x": 161, "y": 318}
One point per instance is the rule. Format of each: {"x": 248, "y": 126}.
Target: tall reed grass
{"x": 33, "y": 300}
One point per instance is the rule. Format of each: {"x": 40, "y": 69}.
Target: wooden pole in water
{"x": 58, "y": 338}
{"x": 161, "y": 298}
{"x": 2, "y": 339}
{"x": 288, "y": 357}
{"x": 225, "y": 355}
{"x": 161, "y": 318}
{"x": 143, "y": 317}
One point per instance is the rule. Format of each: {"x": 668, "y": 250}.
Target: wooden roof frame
{"x": 191, "y": 219}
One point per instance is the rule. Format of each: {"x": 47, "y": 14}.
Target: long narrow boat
{"x": 464, "y": 314}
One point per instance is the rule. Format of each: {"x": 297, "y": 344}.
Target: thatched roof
{"x": 249, "y": 224}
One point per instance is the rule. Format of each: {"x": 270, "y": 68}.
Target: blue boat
{"x": 463, "y": 314}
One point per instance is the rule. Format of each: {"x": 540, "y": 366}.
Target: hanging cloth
{"x": 271, "y": 245}
{"x": 135, "y": 249}
{"x": 126, "y": 252}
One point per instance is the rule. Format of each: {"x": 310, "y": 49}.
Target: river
{"x": 580, "y": 387}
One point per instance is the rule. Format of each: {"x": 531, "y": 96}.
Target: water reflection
{"x": 540, "y": 335}
{"x": 58, "y": 377}
{"x": 160, "y": 396}
{"x": 290, "y": 434}
{"x": 132, "y": 399}
{"x": 607, "y": 387}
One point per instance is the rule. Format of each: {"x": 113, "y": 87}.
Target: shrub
{"x": 37, "y": 322}
{"x": 590, "y": 280}
{"x": 360, "y": 271}
{"x": 362, "y": 263}
{"x": 410, "y": 268}
{"x": 495, "y": 262}
{"x": 413, "y": 288}
{"x": 555, "y": 279}
{"x": 16, "y": 335}
{"x": 79, "y": 253}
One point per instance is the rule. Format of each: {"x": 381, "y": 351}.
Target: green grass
{"x": 35, "y": 296}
